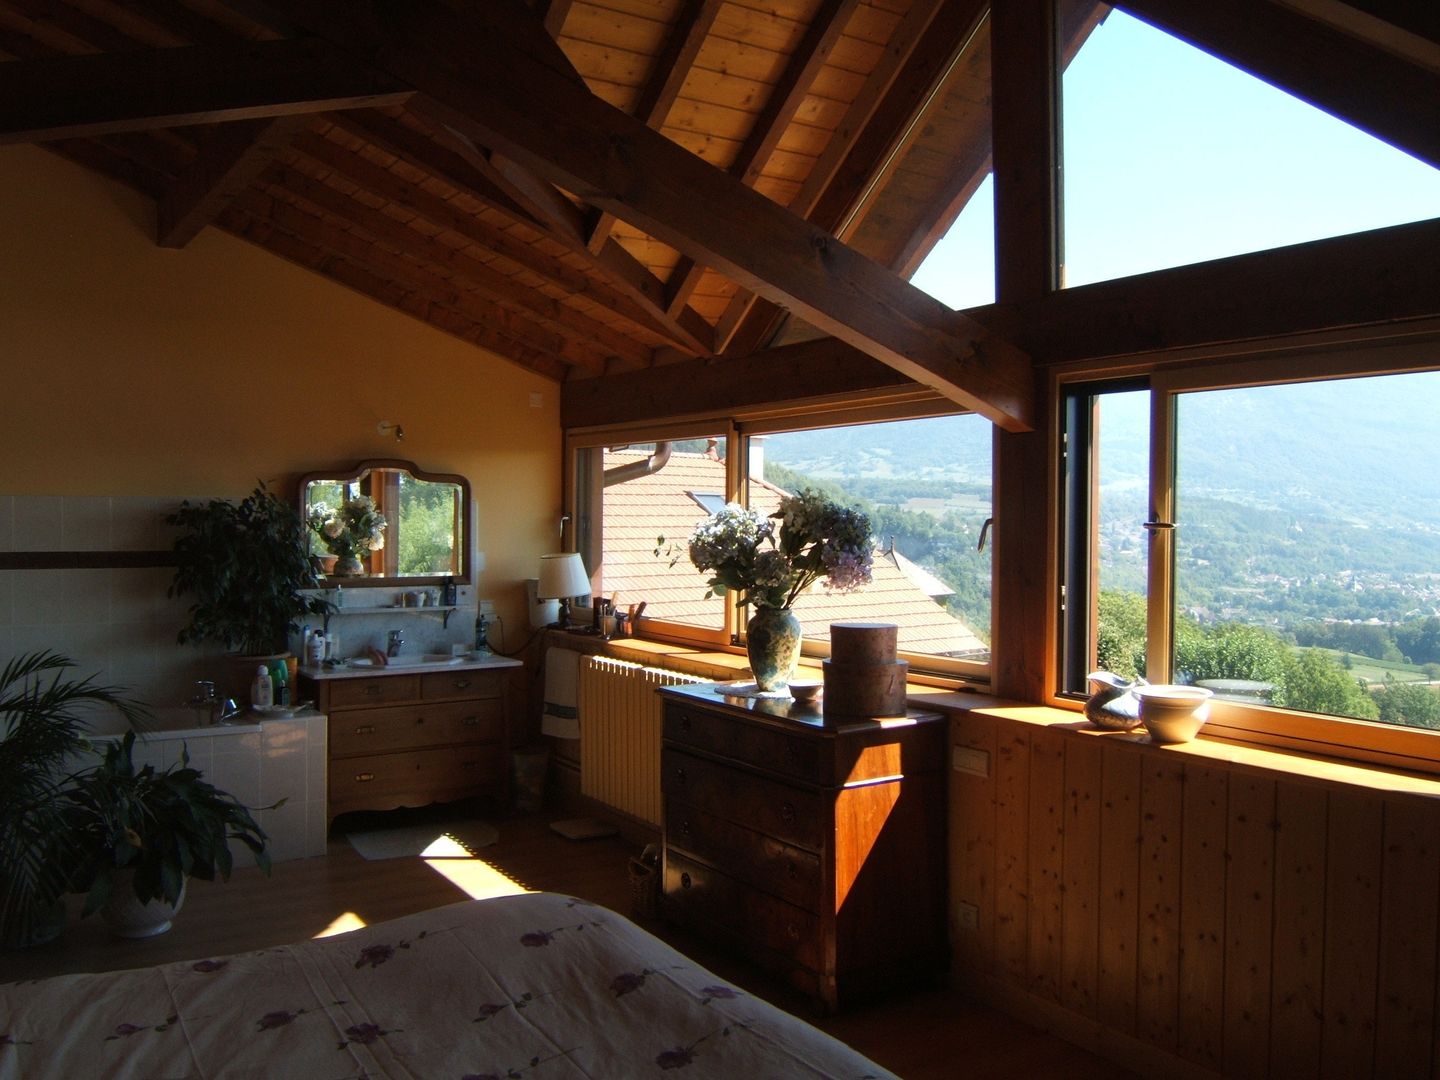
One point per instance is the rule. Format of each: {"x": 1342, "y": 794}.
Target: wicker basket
{"x": 645, "y": 889}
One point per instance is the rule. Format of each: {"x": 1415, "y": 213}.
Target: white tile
{"x": 7, "y": 595}
{"x": 283, "y": 776}
{"x": 86, "y": 596}
{"x": 38, "y": 598}
{"x": 38, "y": 523}
{"x": 238, "y": 774}
{"x": 7, "y": 523}
{"x": 137, "y": 523}
{"x": 85, "y": 523}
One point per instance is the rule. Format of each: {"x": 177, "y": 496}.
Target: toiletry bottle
{"x": 261, "y": 690}
{"x": 447, "y": 593}
{"x": 280, "y": 685}
{"x": 315, "y": 649}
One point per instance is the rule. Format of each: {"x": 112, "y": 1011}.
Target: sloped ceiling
{"x": 596, "y": 189}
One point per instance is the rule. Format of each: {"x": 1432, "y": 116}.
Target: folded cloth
{"x": 560, "y": 717}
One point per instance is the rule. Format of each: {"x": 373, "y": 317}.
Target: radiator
{"x": 620, "y": 733}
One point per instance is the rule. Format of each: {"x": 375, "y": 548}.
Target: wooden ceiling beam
{"x": 622, "y": 271}
{"x": 921, "y": 50}
{"x": 483, "y": 73}
{"x": 75, "y": 96}
{"x": 228, "y": 162}
{"x": 1392, "y": 98}
{"x": 385, "y": 184}
{"x": 490, "y": 282}
{"x": 659, "y": 94}
{"x": 786, "y": 97}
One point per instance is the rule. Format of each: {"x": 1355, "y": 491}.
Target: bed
{"x": 533, "y": 986}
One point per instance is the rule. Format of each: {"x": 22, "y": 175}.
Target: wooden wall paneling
{"x": 1202, "y": 916}
{"x": 1162, "y": 786}
{"x": 1409, "y": 907}
{"x": 1352, "y": 933}
{"x": 972, "y": 845}
{"x": 1079, "y": 909}
{"x": 1249, "y": 907}
{"x": 1119, "y": 894}
{"x": 1046, "y": 843}
{"x": 1298, "y": 945}
{"x": 1012, "y": 862}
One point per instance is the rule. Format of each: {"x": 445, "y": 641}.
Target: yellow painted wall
{"x": 129, "y": 369}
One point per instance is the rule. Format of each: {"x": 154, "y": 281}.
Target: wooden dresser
{"x": 410, "y": 737}
{"x": 816, "y": 850}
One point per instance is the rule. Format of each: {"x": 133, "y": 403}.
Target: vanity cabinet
{"x": 411, "y": 738}
{"x": 817, "y": 851}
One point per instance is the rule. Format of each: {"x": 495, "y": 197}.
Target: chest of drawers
{"x": 817, "y": 851}
{"x": 414, "y": 737}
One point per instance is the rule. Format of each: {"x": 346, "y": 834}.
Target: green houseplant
{"x": 42, "y": 734}
{"x": 145, "y": 831}
{"x": 246, "y": 565}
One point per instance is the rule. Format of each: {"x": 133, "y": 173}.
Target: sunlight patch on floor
{"x": 475, "y": 877}
{"x": 342, "y": 924}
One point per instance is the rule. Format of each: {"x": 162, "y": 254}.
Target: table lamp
{"x": 562, "y": 576}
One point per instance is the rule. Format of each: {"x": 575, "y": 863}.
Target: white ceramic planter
{"x": 127, "y": 917}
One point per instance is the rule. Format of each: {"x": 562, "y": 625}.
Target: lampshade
{"x": 562, "y": 575}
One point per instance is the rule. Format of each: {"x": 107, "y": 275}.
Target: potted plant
{"x": 247, "y": 567}
{"x": 42, "y": 735}
{"x": 144, "y": 832}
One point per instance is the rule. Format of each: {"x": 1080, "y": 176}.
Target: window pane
{"x": 637, "y": 498}
{"x": 926, "y": 486}
{"x": 1174, "y": 157}
{"x": 1308, "y": 546}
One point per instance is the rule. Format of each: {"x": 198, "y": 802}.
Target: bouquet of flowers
{"x": 773, "y": 560}
{"x": 352, "y": 530}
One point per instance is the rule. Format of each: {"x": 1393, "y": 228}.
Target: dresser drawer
{"x": 453, "y": 685}
{"x": 375, "y": 690}
{"x": 414, "y": 778}
{"x": 373, "y": 731}
{"x": 791, "y": 814}
{"x": 696, "y": 894}
{"x": 789, "y": 872}
{"x": 777, "y": 751}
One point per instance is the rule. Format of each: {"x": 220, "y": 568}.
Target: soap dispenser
{"x": 262, "y": 691}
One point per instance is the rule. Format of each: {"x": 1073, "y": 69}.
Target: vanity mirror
{"x": 427, "y": 519}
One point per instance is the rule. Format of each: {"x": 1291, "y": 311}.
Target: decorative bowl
{"x": 806, "y": 689}
{"x": 1173, "y": 714}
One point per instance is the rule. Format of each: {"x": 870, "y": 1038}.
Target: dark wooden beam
{"x": 1024, "y": 76}
{"x": 227, "y": 164}
{"x": 552, "y": 14}
{"x": 1394, "y": 99}
{"x": 794, "y": 373}
{"x": 1372, "y": 278}
{"x": 483, "y": 74}
{"x": 74, "y": 96}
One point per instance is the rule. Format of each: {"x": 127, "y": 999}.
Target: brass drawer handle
{"x": 462, "y": 684}
{"x": 685, "y": 723}
{"x": 792, "y": 869}
{"x": 364, "y": 777}
{"x": 471, "y": 721}
{"x": 373, "y": 691}
{"x": 684, "y": 828}
{"x": 680, "y": 776}
{"x": 792, "y": 932}
{"x": 787, "y": 813}
{"x": 685, "y": 881}
{"x": 365, "y": 729}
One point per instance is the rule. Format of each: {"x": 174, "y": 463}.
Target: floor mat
{"x": 441, "y": 840}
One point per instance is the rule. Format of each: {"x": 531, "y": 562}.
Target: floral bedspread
{"x": 516, "y": 988}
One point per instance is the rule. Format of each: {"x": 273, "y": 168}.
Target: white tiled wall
{"x": 116, "y": 624}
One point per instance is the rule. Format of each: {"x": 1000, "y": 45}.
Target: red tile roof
{"x": 639, "y": 512}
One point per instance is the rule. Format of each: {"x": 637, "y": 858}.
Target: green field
{"x": 1374, "y": 671}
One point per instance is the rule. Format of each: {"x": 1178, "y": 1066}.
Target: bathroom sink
{"x": 423, "y": 660}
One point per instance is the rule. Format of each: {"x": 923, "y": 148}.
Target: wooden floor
{"x": 928, "y": 1034}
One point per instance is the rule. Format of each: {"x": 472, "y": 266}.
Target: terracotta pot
{"x": 772, "y": 642}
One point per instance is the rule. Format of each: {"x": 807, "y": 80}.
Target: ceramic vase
{"x": 772, "y": 642}
{"x": 127, "y": 917}
{"x": 348, "y": 566}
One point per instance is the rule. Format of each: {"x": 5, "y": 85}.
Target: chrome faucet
{"x": 394, "y": 641}
{"x": 204, "y": 702}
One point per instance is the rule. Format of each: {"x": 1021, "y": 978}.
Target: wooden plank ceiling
{"x": 594, "y": 188}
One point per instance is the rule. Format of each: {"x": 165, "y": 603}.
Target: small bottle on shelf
{"x": 262, "y": 690}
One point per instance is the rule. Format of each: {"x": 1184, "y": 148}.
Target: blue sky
{"x": 1174, "y": 157}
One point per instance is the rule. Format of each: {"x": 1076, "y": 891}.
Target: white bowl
{"x": 806, "y": 689}
{"x": 1173, "y": 714}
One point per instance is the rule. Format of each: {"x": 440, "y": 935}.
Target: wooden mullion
{"x": 226, "y": 165}
{"x": 367, "y": 284}
{"x": 1024, "y": 76}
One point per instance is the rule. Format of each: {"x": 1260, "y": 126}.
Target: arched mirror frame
{"x": 346, "y": 474}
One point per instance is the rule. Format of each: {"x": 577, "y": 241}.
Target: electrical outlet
{"x": 974, "y": 762}
{"x": 967, "y": 916}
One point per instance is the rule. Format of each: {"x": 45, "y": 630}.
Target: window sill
{"x": 1375, "y": 778}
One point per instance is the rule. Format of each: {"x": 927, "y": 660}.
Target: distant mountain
{"x": 953, "y": 449}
